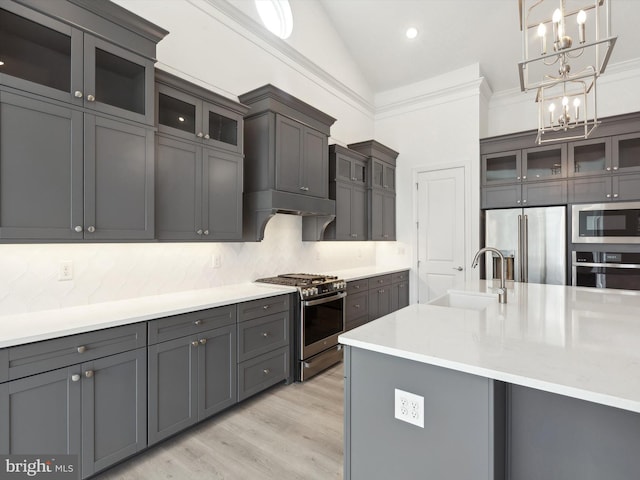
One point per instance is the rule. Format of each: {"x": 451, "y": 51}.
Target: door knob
{"x": 458, "y": 268}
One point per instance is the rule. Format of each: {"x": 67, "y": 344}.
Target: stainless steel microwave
{"x": 606, "y": 223}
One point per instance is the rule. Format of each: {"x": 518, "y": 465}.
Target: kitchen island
{"x": 544, "y": 387}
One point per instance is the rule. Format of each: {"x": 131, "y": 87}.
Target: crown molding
{"x": 261, "y": 37}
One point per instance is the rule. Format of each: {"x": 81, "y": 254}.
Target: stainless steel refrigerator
{"x": 534, "y": 237}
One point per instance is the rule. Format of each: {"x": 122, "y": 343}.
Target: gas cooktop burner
{"x": 309, "y": 285}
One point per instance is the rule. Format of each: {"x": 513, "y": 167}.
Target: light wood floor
{"x": 288, "y": 432}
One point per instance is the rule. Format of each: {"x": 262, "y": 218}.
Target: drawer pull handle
{"x": 266, "y": 371}
{"x": 88, "y": 373}
{"x": 266, "y": 307}
{"x": 203, "y": 341}
{"x": 357, "y": 305}
{"x": 198, "y": 322}
{"x": 75, "y": 377}
{"x": 194, "y": 343}
{"x": 82, "y": 349}
{"x": 266, "y": 334}
{"x": 357, "y": 287}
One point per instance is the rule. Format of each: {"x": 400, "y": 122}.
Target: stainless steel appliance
{"x": 535, "y": 238}
{"x": 319, "y": 323}
{"x": 606, "y": 269}
{"x": 606, "y": 223}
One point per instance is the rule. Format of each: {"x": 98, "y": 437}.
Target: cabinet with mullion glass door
{"x": 199, "y": 175}
{"x": 187, "y": 111}
{"x": 347, "y": 186}
{"x": 60, "y": 59}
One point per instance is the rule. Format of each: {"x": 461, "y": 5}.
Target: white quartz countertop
{"x": 574, "y": 341}
{"x": 364, "y": 272}
{"x": 42, "y": 325}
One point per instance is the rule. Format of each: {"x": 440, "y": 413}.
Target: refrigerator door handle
{"x": 519, "y": 255}
{"x": 525, "y": 249}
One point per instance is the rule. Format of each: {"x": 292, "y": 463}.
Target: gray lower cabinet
{"x": 190, "y": 378}
{"x": 263, "y": 344}
{"x": 95, "y": 409}
{"x": 198, "y": 192}
{"x": 82, "y": 177}
{"x": 399, "y": 290}
{"x": 379, "y": 296}
{"x": 460, "y": 432}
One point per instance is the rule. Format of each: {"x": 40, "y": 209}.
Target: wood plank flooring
{"x": 288, "y": 432}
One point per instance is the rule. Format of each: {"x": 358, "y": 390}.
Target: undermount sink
{"x": 465, "y": 300}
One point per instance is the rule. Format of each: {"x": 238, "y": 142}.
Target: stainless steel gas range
{"x": 319, "y": 322}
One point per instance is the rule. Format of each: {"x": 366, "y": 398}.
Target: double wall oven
{"x": 606, "y": 245}
{"x": 320, "y": 320}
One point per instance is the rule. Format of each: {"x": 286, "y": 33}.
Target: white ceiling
{"x": 453, "y": 34}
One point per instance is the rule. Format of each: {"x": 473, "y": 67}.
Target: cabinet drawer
{"x": 262, "y": 307}
{"x": 4, "y": 365}
{"x": 262, "y": 335}
{"x": 261, "y": 372}
{"x": 380, "y": 281}
{"x": 357, "y": 306}
{"x": 400, "y": 277}
{"x": 191, "y": 323}
{"x": 358, "y": 286}
{"x": 47, "y": 355}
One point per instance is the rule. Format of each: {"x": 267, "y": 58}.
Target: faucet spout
{"x": 502, "y": 291}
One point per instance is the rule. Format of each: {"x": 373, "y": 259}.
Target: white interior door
{"x": 441, "y": 239}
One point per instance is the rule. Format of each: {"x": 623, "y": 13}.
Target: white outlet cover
{"x": 409, "y": 407}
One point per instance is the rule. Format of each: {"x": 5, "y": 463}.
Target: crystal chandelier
{"x": 566, "y": 45}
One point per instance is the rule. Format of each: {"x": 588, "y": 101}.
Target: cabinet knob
{"x": 608, "y": 195}
{"x": 266, "y": 371}
{"x": 615, "y": 195}
{"x": 194, "y": 343}
{"x": 206, "y": 232}
{"x": 357, "y": 305}
{"x": 198, "y": 322}
{"x": 517, "y": 201}
{"x": 91, "y": 98}
{"x": 357, "y": 287}
{"x": 78, "y": 94}
{"x": 524, "y": 177}
{"x": 608, "y": 169}
{"x": 199, "y": 232}
{"x": 265, "y": 334}
{"x": 207, "y": 136}
{"x": 517, "y": 178}
{"x": 88, "y": 373}
{"x": 75, "y": 377}
{"x": 385, "y": 236}
{"x": 524, "y": 201}
{"x": 78, "y": 228}
{"x": 91, "y": 229}
{"x": 203, "y": 341}
{"x": 265, "y": 307}
{"x": 82, "y": 349}
{"x": 615, "y": 169}
{"x": 200, "y": 135}
{"x": 381, "y": 291}
{"x": 354, "y": 235}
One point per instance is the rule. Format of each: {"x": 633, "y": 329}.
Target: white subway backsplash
{"x": 115, "y": 271}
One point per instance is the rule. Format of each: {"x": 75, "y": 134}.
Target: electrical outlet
{"x": 65, "y": 271}
{"x": 409, "y": 408}
{"x": 216, "y": 260}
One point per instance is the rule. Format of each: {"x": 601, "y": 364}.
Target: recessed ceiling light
{"x": 276, "y": 16}
{"x": 412, "y": 32}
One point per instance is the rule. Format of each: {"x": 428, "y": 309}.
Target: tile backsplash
{"x": 106, "y": 272}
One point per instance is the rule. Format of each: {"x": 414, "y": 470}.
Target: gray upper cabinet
{"x": 199, "y": 165}
{"x": 286, "y": 163}
{"x": 76, "y": 116}
{"x": 60, "y": 52}
{"x": 381, "y": 191}
{"x": 347, "y": 186}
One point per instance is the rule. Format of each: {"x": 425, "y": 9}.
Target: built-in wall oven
{"x": 617, "y": 222}
{"x": 320, "y": 320}
{"x": 606, "y": 269}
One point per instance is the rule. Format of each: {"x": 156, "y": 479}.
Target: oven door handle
{"x": 607, "y": 265}
{"x": 311, "y": 303}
